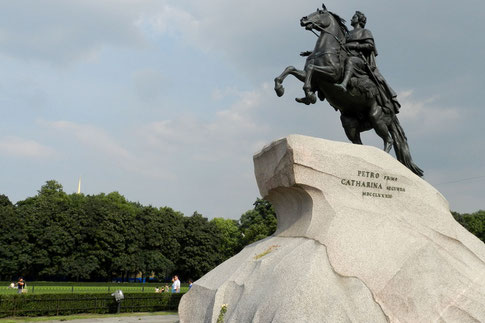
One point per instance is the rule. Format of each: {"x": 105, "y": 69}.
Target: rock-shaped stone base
{"x": 360, "y": 238}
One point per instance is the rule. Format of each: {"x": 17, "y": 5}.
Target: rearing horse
{"x": 358, "y": 107}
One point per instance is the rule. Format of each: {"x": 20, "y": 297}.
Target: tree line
{"x": 58, "y": 236}
{"x": 473, "y": 222}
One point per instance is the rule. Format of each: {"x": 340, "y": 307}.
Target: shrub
{"x": 62, "y": 304}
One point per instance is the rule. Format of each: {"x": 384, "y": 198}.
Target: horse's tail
{"x": 401, "y": 147}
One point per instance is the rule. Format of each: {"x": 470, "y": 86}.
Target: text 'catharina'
{"x": 380, "y": 185}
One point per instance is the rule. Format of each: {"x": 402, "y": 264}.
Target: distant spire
{"x": 79, "y": 186}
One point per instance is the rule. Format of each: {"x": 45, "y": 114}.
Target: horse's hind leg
{"x": 351, "y": 127}
{"x": 278, "y": 81}
{"x": 378, "y": 121}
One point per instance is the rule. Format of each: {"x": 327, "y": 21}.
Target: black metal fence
{"x": 86, "y": 289}
{"x": 83, "y": 288}
{"x": 62, "y": 304}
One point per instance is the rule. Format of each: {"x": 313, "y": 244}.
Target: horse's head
{"x": 316, "y": 20}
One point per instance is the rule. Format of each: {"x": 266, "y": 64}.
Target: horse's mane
{"x": 341, "y": 22}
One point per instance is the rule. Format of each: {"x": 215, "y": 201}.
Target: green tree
{"x": 5, "y": 201}
{"x": 171, "y": 229}
{"x": 13, "y": 241}
{"x": 81, "y": 264}
{"x": 111, "y": 235}
{"x": 199, "y": 243}
{"x": 230, "y": 242}
{"x": 161, "y": 229}
{"x": 45, "y": 219}
{"x": 474, "y": 222}
{"x": 258, "y": 223}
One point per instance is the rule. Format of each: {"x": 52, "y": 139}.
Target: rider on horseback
{"x": 361, "y": 63}
{"x": 369, "y": 103}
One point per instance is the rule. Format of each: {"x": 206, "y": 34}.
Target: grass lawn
{"x": 76, "y": 317}
{"x": 84, "y": 288}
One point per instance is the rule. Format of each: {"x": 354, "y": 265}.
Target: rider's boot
{"x": 307, "y": 100}
{"x": 343, "y": 85}
{"x": 310, "y": 98}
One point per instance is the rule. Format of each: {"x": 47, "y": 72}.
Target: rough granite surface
{"x": 360, "y": 238}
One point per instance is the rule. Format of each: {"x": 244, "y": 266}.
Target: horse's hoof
{"x": 313, "y": 98}
{"x": 280, "y": 90}
{"x": 388, "y": 146}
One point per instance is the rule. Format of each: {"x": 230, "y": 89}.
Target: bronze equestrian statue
{"x": 342, "y": 69}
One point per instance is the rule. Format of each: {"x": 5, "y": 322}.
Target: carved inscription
{"x": 374, "y": 184}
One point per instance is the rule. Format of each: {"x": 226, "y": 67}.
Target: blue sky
{"x": 167, "y": 101}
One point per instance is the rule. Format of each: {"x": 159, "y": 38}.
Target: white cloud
{"x": 167, "y": 19}
{"x": 20, "y": 147}
{"x": 251, "y": 35}
{"x": 235, "y": 133}
{"x": 428, "y": 114}
{"x": 59, "y": 31}
{"x": 101, "y": 144}
{"x": 213, "y": 139}
{"x": 92, "y": 137}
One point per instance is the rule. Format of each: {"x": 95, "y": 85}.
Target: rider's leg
{"x": 349, "y": 69}
{"x": 328, "y": 73}
{"x": 376, "y": 116}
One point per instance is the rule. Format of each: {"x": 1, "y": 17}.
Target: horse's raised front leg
{"x": 326, "y": 72}
{"x": 278, "y": 81}
{"x": 310, "y": 97}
